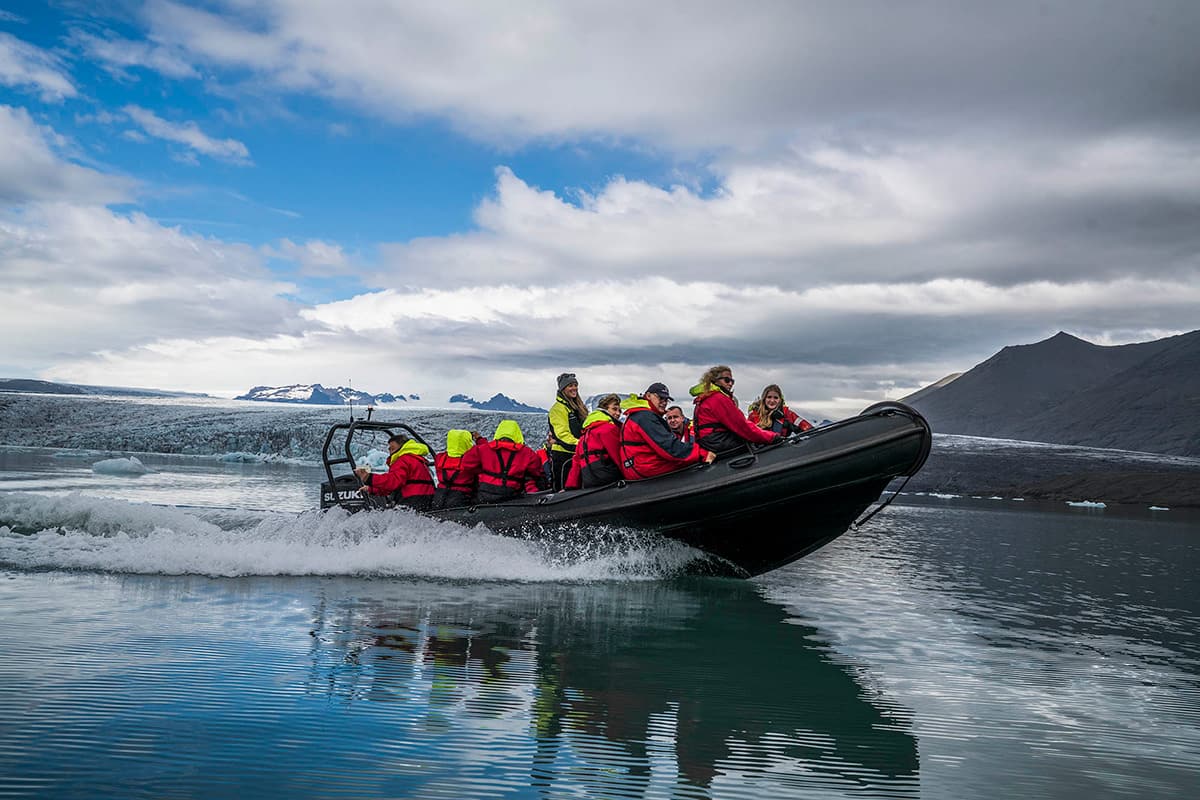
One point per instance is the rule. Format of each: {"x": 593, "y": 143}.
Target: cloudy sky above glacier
{"x": 851, "y": 199}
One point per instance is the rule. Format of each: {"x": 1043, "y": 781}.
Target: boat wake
{"x": 78, "y": 532}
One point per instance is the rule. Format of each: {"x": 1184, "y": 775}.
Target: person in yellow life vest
{"x": 566, "y": 426}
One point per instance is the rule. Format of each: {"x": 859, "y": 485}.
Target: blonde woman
{"x": 770, "y": 412}
{"x": 719, "y": 424}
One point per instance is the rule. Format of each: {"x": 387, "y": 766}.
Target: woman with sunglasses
{"x": 720, "y": 426}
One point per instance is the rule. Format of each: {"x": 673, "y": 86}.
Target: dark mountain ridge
{"x": 498, "y": 402}
{"x": 1065, "y": 390}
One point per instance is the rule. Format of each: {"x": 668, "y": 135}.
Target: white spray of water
{"x": 88, "y": 533}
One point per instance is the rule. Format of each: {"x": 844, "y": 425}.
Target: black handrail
{"x": 350, "y": 429}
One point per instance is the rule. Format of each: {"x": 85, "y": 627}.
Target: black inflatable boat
{"x": 754, "y": 511}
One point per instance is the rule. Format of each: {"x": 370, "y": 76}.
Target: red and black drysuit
{"x": 501, "y": 469}
{"x": 597, "y": 460}
{"x": 649, "y": 448}
{"x": 407, "y": 480}
{"x": 454, "y": 488}
{"x": 783, "y": 421}
{"x": 721, "y": 427}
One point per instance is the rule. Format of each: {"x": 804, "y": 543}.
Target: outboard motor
{"x": 343, "y": 492}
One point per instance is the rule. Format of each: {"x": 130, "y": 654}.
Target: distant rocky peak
{"x": 317, "y": 394}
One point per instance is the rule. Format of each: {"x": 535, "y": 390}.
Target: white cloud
{"x": 79, "y": 277}
{"x": 84, "y": 278}
{"x": 835, "y": 349}
{"x": 31, "y": 169}
{"x": 25, "y": 66}
{"x": 118, "y": 55}
{"x": 189, "y": 135}
{"x": 828, "y": 214}
{"x": 702, "y": 74}
{"x": 315, "y": 257}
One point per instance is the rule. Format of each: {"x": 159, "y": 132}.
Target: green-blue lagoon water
{"x": 236, "y": 647}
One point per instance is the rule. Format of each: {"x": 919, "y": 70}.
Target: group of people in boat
{"x": 631, "y": 438}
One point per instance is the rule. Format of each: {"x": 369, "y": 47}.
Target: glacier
{"x": 231, "y": 430}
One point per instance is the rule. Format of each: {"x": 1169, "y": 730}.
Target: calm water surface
{"x": 949, "y": 649}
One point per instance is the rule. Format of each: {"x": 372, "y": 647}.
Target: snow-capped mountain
{"x": 317, "y": 395}
{"x": 499, "y": 402}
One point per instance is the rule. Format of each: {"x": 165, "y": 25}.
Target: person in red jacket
{"x": 648, "y": 447}
{"x": 500, "y": 468}
{"x": 597, "y": 459}
{"x": 771, "y": 413}
{"x": 720, "y": 426}
{"x": 454, "y": 489}
{"x": 407, "y": 480}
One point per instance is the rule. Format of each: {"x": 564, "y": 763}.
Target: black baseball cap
{"x": 661, "y": 390}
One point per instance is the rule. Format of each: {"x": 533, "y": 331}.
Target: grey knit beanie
{"x": 566, "y": 379}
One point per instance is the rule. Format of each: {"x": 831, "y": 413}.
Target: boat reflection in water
{"x": 612, "y": 689}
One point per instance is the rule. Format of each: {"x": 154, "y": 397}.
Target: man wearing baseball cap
{"x": 648, "y": 447}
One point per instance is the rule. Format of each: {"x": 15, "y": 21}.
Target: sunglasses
{"x": 726, "y": 380}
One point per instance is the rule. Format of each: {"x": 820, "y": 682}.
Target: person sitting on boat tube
{"x": 597, "y": 460}
{"x": 771, "y": 413}
{"x": 501, "y": 468}
{"x": 453, "y": 489}
{"x": 566, "y": 425}
{"x": 719, "y": 424}
{"x": 680, "y": 425}
{"x": 407, "y": 480}
{"x": 648, "y": 447}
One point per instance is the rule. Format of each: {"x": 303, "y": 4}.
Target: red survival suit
{"x": 597, "y": 460}
{"x": 721, "y": 427}
{"x": 454, "y": 488}
{"x": 648, "y": 447}
{"x": 500, "y": 468}
{"x": 407, "y": 476}
{"x": 786, "y": 424}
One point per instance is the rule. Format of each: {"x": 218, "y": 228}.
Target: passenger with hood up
{"x": 407, "y": 480}
{"x": 648, "y": 447}
{"x": 501, "y": 468}
{"x": 454, "y": 489}
{"x": 597, "y": 460}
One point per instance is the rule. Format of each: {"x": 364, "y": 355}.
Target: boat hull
{"x": 752, "y": 512}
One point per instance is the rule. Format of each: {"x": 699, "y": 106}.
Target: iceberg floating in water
{"x": 1159, "y": 508}
{"x": 241, "y": 457}
{"x": 375, "y": 460}
{"x": 120, "y": 466}
{"x": 1085, "y": 504}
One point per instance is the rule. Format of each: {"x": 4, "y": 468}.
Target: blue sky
{"x": 850, "y": 201}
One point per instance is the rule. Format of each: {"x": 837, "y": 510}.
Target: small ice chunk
{"x": 375, "y": 460}
{"x": 120, "y": 466}
{"x": 1085, "y": 504}
{"x": 1159, "y": 508}
{"x": 240, "y": 457}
